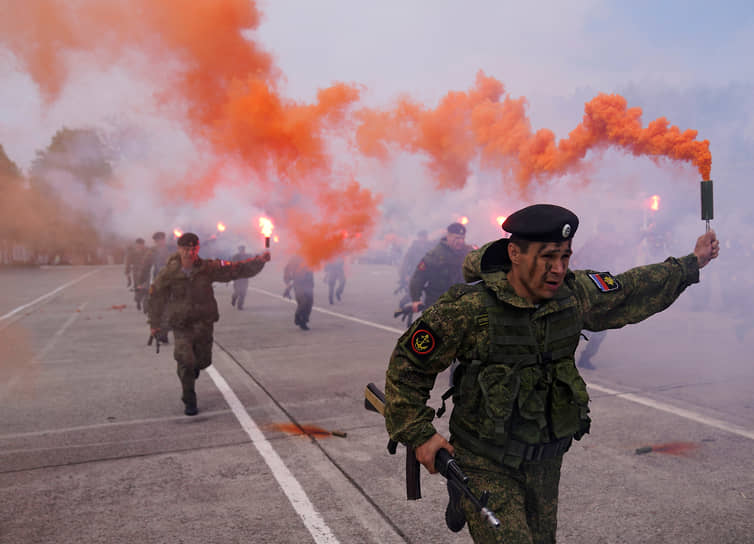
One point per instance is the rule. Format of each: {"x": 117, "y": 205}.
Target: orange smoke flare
{"x": 478, "y": 123}
{"x": 202, "y": 60}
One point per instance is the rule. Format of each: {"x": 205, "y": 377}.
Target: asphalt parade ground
{"x": 94, "y": 446}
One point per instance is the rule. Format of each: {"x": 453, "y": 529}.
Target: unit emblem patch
{"x": 423, "y": 341}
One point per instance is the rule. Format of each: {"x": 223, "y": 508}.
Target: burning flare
{"x": 501, "y": 219}
{"x": 654, "y": 202}
{"x": 266, "y": 226}
{"x": 177, "y": 233}
{"x": 464, "y": 220}
{"x": 221, "y": 226}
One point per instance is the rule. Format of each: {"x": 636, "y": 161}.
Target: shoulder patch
{"x": 422, "y": 265}
{"x": 604, "y": 281}
{"x": 423, "y": 341}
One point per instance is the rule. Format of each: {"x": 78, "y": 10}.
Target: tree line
{"x": 41, "y": 221}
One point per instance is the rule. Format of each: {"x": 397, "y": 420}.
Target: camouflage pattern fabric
{"x": 192, "y": 351}
{"x": 455, "y": 328}
{"x": 524, "y": 499}
{"x": 436, "y": 272}
{"x": 187, "y": 299}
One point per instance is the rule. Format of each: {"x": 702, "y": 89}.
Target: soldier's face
{"x": 455, "y": 241}
{"x": 188, "y": 254}
{"x": 539, "y": 272}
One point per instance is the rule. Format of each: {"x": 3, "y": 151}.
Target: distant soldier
{"x": 440, "y": 268}
{"x": 134, "y": 257}
{"x": 183, "y": 292}
{"x": 300, "y": 278}
{"x": 154, "y": 259}
{"x": 413, "y": 256}
{"x": 241, "y": 285}
{"x": 335, "y": 273}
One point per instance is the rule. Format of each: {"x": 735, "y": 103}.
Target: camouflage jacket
{"x": 187, "y": 299}
{"x": 436, "y": 272}
{"x": 154, "y": 259}
{"x": 134, "y": 257}
{"x": 456, "y": 333}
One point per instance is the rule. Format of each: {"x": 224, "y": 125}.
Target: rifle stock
{"x": 374, "y": 401}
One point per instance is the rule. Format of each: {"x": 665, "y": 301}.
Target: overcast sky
{"x": 689, "y": 61}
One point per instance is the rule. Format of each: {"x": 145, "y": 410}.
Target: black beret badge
{"x": 422, "y": 341}
{"x": 604, "y": 281}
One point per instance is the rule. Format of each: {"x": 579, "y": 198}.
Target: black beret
{"x": 188, "y": 239}
{"x": 159, "y": 235}
{"x": 542, "y": 223}
{"x": 457, "y": 228}
{"x": 140, "y": 241}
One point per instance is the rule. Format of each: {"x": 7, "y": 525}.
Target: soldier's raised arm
{"x": 611, "y": 302}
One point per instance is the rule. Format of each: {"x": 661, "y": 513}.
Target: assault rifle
{"x": 406, "y": 312}
{"x": 458, "y": 482}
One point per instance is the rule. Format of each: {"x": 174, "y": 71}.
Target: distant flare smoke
{"x": 485, "y": 123}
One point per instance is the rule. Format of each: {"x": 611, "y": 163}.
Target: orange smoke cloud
{"x": 205, "y": 66}
{"x": 345, "y": 214}
{"x": 478, "y": 123}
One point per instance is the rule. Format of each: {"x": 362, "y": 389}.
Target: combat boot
{"x": 191, "y": 409}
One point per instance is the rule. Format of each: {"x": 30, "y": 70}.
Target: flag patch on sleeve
{"x": 604, "y": 281}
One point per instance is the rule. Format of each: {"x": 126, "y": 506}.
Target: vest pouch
{"x": 531, "y": 423}
{"x": 499, "y": 386}
{"x": 569, "y": 403}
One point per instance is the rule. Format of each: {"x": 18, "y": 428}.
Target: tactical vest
{"x": 519, "y": 392}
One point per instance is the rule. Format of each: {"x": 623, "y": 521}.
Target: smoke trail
{"x": 479, "y": 124}
{"x": 224, "y": 86}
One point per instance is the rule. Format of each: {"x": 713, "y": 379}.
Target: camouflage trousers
{"x": 524, "y": 499}
{"x": 192, "y": 349}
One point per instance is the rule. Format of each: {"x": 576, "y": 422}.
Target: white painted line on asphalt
{"x": 48, "y": 295}
{"x": 59, "y": 332}
{"x": 334, "y": 314}
{"x": 288, "y": 483}
{"x": 687, "y": 414}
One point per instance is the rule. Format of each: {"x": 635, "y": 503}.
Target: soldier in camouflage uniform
{"x": 519, "y": 400}
{"x": 154, "y": 259}
{"x": 440, "y": 268}
{"x": 241, "y": 285}
{"x": 134, "y": 257}
{"x": 183, "y": 291}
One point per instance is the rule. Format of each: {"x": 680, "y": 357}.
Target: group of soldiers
{"x": 508, "y": 316}
{"x": 512, "y": 329}
{"x": 142, "y": 266}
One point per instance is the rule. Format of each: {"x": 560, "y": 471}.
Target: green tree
{"x": 77, "y": 155}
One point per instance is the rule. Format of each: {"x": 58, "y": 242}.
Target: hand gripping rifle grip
{"x": 447, "y": 466}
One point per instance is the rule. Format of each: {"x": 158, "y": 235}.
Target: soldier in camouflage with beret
{"x": 519, "y": 400}
{"x": 183, "y": 291}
